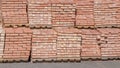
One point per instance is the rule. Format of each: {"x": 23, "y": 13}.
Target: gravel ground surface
{"x": 83, "y": 64}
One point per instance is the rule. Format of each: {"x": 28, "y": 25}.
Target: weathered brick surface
{"x": 39, "y": 1}
{"x": 14, "y": 12}
{"x": 107, "y": 12}
{"x": 110, "y": 42}
{"x": 63, "y": 15}
{"x": 17, "y": 44}
{"x": 90, "y": 44}
{"x": 0, "y": 14}
{"x": 39, "y": 13}
{"x": 62, "y": 1}
{"x": 62, "y": 41}
{"x": 44, "y": 44}
{"x": 2, "y": 38}
{"x": 68, "y": 43}
{"x": 85, "y": 13}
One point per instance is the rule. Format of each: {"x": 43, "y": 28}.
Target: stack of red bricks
{"x": 44, "y": 45}
{"x": 68, "y": 44}
{"x": 0, "y": 15}
{"x": 39, "y": 12}
{"x": 63, "y": 13}
{"x": 2, "y": 38}
{"x": 62, "y": 41}
{"x": 107, "y": 13}
{"x": 84, "y": 13}
{"x": 110, "y": 43}
{"x": 14, "y": 12}
{"x": 90, "y": 44}
{"x": 17, "y": 44}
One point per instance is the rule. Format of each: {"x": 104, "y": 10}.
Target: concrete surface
{"x": 84, "y": 64}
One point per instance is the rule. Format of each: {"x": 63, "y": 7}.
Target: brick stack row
{"x": 14, "y": 12}
{"x": 44, "y": 45}
{"x": 68, "y": 44}
{"x": 39, "y": 12}
{"x": 2, "y": 41}
{"x": 85, "y": 13}
{"x": 63, "y": 15}
{"x": 0, "y": 15}
{"x": 110, "y": 43}
{"x": 17, "y": 44}
{"x": 107, "y": 13}
{"x": 90, "y": 44}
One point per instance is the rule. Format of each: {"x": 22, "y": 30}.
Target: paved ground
{"x": 85, "y": 64}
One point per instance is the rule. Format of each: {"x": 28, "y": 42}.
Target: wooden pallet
{"x": 41, "y": 26}
{"x": 110, "y": 58}
{"x": 1, "y": 60}
{"x": 14, "y": 60}
{"x": 91, "y": 58}
{"x": 16, "y": 25}
{"x": 68, "y": 59}
{"x": 108, "y": 26}
{"x": 43, "y": 60}
{"x": 85, "y": 27}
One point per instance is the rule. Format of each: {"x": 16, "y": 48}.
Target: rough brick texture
{"x": 14, "y": 12}
{"x": 107, "y": 12}
{"x": 44, "y": 44}
{"x": 68, "y": 43}
{"x": 90, "y": 44}
{"x": 62, "y": 1}
{"x": 110, "y": 42}
{"x": 63, "y": 15}
{"x": 0, "y": 15}
{"x": 39, "y": 13}
{"x": 17, "y": 44}
{"x": 85, "y": 13}
{"x": 2, "y": 37}
{"x": 64, "y": 41}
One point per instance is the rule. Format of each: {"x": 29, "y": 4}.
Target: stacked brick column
{"x": 14, "y": 12}
{"x": 90, "y": 44}
{"x": 44, "y": 45}
{"x": 110, "y": 43}
{"x": 2, "y": 37}
{"x": 0, "y": 15}
{"x": 68, "y": 44}
{"x": 63, "y": 13}
{"x": 39, "y": 12}
{"x": 17, "y": 44}
{"x": 107, "y": 13}
{"x": 85, "y": 13}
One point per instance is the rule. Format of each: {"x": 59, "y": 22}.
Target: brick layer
{"x": 90, "y": 44}
{"x": 44, "y": 44}
{"x": 39, "y": 14}
{"x": 63, "y": 15}
{"x": 0, "y": 15}
{"x": 17, "y": 44}
{"x": 107, "y": 13}
{"x": 2, "y": 38}
{"x": 68, "y": 43}
{"x": 14, "y": 12}
{"x": 110, "y": 42}
{"x": 85, "y": 13}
